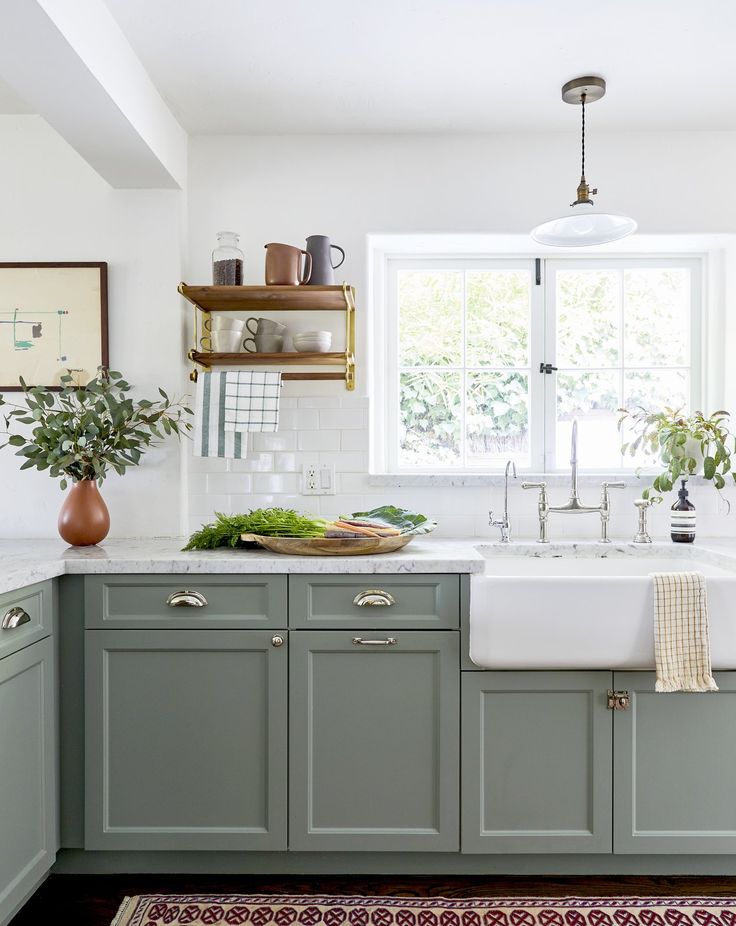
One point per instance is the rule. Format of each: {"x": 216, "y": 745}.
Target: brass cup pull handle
{"x": 389, "y": 641}
{"x": 186, "y": 599}
{"x": 15, "y": 617}
{"x": 374, "y": 598}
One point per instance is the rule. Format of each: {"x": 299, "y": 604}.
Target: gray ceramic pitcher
{"x": 320, "y": 249}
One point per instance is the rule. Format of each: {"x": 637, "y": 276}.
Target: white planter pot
{"x": 692, "y": 449}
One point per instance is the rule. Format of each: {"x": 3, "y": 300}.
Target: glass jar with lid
{"x": 227, "y": 260}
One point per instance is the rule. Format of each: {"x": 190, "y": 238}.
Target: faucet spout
{"x": 574, "y": 461}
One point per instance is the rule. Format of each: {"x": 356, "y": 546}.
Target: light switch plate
{"x": 318, "y": 479}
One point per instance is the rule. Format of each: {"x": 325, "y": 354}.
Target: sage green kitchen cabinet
{"x": 536, "y": 762}
{"x": 186, "y": 739}
{"x": 28, "y": 772}
{"x": 675, "y": 756}
{"x": 374, "y": 741}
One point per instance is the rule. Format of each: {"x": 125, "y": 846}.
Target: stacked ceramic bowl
{"x": 308, "y": 342}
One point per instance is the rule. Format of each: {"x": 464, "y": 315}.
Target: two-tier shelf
{"x": 260, "y": 299}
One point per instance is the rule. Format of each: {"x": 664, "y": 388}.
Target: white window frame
{"x": 542, "y": 348}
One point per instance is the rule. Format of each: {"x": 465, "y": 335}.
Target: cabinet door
{"x": 536, "y": 762}
{"x": 675, "y": 755}
{"x": 185, "y": 739}
{"x": 27, "y": 772}
{"x": 374, "y": 752}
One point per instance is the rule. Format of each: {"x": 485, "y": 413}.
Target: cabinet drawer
{"x": 415, "y": 602}
{"x": 226, "y": 601}
{"x": 33, "y": 619}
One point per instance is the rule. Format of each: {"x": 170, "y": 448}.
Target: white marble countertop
{"x": 24, "y": 562}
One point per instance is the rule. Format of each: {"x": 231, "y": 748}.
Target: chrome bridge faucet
{"x": 504, "y": 523}
{"x": 573, "y": 504}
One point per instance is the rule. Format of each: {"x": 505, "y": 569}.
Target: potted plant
{"x": 683, "y": 445}
{"x": 79, "y": 432}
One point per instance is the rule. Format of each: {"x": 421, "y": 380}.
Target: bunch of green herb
{"x": 268, "y": 522}
{"x": 81, "y": 431}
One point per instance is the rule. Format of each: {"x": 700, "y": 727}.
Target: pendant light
{"x": 584, "y": 225}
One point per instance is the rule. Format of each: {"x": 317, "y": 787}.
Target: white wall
{"x": 54, "y": 207}
{"x": 285, "y": 188}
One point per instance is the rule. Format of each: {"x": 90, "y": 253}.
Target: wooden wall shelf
{"x": 208, "y": 299}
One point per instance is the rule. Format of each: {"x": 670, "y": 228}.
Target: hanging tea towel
{"x": 681, "y": 637}
{"x": 210, "y": 437}
{"x": 252, "y": 400}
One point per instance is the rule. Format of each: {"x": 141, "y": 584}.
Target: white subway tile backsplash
{"x": 354, "y": 441}
{"x": 205, "y": 506}
{"x": 279, "y": 440}
{"x": 348, "y": 419}
{"x": 319, "y": 402}
{"x": 229, "y": 483}
{"x": 319, "y": 440}
{"x": 207, "y": 464}
{"x": 356, "y": 484}
{"x": 273, "y": 483}
{"x": 254, "y": 463}
{"x": 301, "y": 419}
{"x": 284, "y": 463}
{"x": 197, "y": 483}
{"x": 345, "y": 462}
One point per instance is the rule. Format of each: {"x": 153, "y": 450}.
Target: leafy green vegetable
{"x": 269, "y": 522}
{"x": 408, "y": 522}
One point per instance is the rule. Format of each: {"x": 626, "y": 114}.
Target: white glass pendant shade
{"x": 583, "y": 226}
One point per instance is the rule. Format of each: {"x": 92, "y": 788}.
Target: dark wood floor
{"x": 93, "y": 900}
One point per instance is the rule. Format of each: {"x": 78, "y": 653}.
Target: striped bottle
{"x": 682, "y": 518}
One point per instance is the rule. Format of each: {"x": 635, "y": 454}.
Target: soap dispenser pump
{"x": 682, "y": 518}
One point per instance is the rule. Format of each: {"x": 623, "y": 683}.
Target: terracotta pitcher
{"x": 84, "y": 519}
{"x": 282, "y": 265}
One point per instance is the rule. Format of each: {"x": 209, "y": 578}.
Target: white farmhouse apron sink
{"x": 591, "y": 612}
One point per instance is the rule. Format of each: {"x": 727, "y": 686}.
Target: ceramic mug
{"x": 227, "y": 342}
{"x": 223, "y": 323}
{"x": 264, "y": 326}
{"x": 265, "y": 344}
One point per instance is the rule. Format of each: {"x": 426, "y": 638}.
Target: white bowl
{"x": 312, "y": 342}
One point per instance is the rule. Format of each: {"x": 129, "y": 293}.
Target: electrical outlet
{"x": 318, "y": 479}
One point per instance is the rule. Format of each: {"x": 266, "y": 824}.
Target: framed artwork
{"x": 53, "y": 318}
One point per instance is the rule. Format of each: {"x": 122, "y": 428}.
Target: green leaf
{"x": 709, "y": 467}
{"x": 15, "y": 440}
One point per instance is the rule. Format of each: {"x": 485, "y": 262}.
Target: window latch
{"x": 547, "y": 368}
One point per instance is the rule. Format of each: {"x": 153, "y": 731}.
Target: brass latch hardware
{"x": 618, "y": 700}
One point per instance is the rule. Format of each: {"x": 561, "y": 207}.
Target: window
{"x": 490, "y": 360}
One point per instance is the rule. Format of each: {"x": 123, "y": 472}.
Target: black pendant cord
{"x": 582, "y": 143}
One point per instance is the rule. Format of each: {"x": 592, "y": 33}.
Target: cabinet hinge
{"x": 618, "y": 700}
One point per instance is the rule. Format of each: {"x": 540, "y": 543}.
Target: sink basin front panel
{"x": 573, "y": 621}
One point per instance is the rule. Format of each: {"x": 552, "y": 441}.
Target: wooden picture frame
{"x": 53, "y": 317}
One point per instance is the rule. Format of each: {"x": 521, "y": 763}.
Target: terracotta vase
{"x": 84, "y": 519}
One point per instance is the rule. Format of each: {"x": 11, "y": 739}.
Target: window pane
{"x": 430, "y": 318}
{"x": 497, "y": 418}
{"x": 498, "y": 309}
{"x": 654, "y": 390}
{"x": 429, "y": 419}
{"x": 588, "y": 318}
{"x": 592, "y": 399}
{"x": 657, "y": 317}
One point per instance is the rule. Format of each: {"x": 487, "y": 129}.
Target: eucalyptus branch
{"x": 80, "y": 432}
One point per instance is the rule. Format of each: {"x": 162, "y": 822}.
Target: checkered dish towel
{"x": 681, "y": 638}
{"x": 252, "y": 401}
{"x": 224, "y": 400}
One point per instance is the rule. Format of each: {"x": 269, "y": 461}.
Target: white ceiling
{"x": 341, "y": 66}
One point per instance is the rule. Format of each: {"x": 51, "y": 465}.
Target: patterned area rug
{"x": 305, "y": 910}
